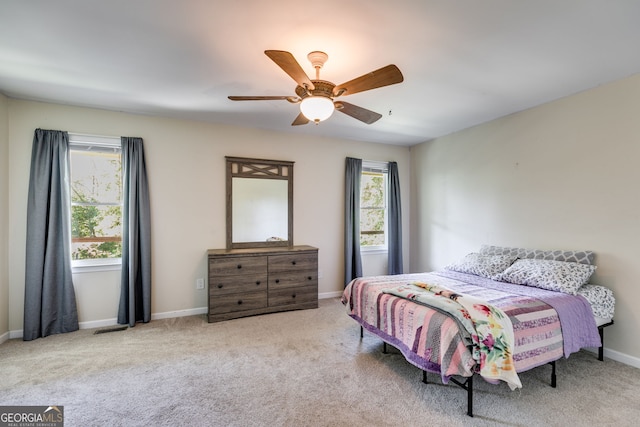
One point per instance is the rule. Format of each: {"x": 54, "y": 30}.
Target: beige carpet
{"x": 303, "y": 368}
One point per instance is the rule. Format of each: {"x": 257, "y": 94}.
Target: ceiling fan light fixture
{"x": 317, "y": 108}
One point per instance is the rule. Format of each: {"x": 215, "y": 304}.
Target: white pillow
{"x": 482, "y": 265}
{"x": 552, "y": 275}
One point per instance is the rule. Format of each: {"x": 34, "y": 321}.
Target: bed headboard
{"x": 582, "y": 257}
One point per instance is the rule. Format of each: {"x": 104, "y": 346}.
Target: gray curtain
{"x": 135, "y": 292}
{"x": 49, "y": 297}
{"x": 352, "y": 259}
{"x": 394, "y": 226}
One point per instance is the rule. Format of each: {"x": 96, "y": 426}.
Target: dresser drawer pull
{"x": 239, "y": 266}
{"x": 220, "y": 286}
{"x": 258, "y": 283}
{"x": 293, "y": 296}
{"x": 277, "y": 280}
{"x": 240, "y": 302}
{"x": 293, "y": 262}
{"x": 309, "y": 278}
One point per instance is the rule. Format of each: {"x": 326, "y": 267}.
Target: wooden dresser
{"x": 246, "y": 282}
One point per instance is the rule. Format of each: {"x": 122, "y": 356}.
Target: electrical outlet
{"x": 200, "y": 283}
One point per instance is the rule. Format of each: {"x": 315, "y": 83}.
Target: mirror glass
{"x": 259, "y": 203}
{"x": 260, "y": 210}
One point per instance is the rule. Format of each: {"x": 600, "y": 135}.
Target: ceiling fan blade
{"x": 261, "y": 98}
{"x": 362, "y": 114}
{"x": 289, "y": 65}
{"x": 300, "y": 120}
{"x": 384, "y": 76}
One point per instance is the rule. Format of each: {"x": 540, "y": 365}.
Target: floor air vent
{"x": 114, "y": 329}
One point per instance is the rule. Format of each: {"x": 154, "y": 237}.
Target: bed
{"x": 494, "y": 314}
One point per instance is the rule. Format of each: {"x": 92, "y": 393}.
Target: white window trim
{"x": 98, "y": 264}
{"x": 81, "y": 139}
{"x": 373, "y": 250}
{"x": 384, "y": 168}
{"x": 93, "y": 265}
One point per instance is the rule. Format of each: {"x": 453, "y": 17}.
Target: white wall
{"x": 563, "y": 175}
{"x": 377, "y": 263}
{"x": 185, "y": 162}
{"x": 4, "y": 218}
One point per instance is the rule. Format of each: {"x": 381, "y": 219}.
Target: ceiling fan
{"x": 316, "y": 97}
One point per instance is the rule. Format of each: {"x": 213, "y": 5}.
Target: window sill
{"x": 373, "y": 251}
{"x": 92, "y": 266}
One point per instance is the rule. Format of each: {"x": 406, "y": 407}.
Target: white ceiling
{"x": 464, "y": 61}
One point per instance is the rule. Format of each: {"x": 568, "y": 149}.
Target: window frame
{"x": 77, "y": 140}
{"x": 379, "y": 167}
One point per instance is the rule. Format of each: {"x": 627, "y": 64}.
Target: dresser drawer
{"x": 222, "y": 285}
{"x": 237, "y": 266}
{"x": 293, "y": 262}
{"x": 237, "y": 302}
{"x": 297, "y": 295}
{"x": 287, "y": 279}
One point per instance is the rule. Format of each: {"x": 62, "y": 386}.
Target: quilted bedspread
{"x": 434, "y": 341}
{"x": 490, "y": 328}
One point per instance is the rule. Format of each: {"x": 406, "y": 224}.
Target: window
{"x": 96, "y": 200}
{"x": 373, "y": 206}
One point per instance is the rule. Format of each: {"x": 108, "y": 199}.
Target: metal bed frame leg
{"x": 470, "y": 396}
{"x": 553, "y": 373}
{"x": 601, "y": 348}
{"x": 384, "y": 347}
{"x": 467, "y": 385}
{"x": 601, "y": 332}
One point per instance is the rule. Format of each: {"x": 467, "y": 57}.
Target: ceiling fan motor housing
{"x": 322, "y": 88}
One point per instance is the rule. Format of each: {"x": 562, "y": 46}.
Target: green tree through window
{"x": 373, "y": 204}
{"x": 96, "y": 201}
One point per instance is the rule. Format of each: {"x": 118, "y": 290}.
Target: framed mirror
{"x": 259, "y": 203}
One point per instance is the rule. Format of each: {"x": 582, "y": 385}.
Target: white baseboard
{"x": 179, "y": 313}
{"x": 326, "y": 295}
{"x": 155, "y": 316}
{"x": 617, "y": 356}
{"x": 622, "y": 358}
{"x": 98, "y": 323}
{"x": 4, "y": 337}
